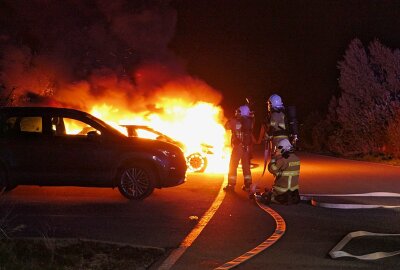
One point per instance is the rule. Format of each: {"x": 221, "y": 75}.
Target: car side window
{"x": 77, "y": 127}
{"x": 31, "y": 124}
{"x": 18, "y": 125}
{"x": 144, "y": 133}
{"x": 8, "y": 125}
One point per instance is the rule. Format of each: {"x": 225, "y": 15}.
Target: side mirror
{"x": 93, "y": 135}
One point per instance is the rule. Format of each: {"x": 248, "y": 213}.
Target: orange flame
{"x": 193, "y": 124}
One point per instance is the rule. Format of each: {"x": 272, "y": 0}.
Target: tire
{"x": 136, "y": 181}
{"x": 196, "y": 162}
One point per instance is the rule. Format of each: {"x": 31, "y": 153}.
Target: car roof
{"x": 56, "y": 110}
{"x": 41, "y": 110}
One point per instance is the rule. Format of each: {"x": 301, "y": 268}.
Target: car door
{"x": 25, "y": 148}
{"x": 81, "y": 154}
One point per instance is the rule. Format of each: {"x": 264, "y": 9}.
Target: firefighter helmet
{"x": 285, "y": 146}
{"x": 244, "y": 110}
{"x": 275, "y": 102}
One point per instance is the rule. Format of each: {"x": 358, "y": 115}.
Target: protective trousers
{"x": 286, "y": 183}
{"x": 239, "y": 153}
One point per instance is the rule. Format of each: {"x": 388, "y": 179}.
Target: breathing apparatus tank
{"x": 293, "y": 123}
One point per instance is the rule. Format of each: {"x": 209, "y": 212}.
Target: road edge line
{"x": 191, "y": 237}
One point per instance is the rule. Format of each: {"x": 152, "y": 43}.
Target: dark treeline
{"x": 364, "y": 118}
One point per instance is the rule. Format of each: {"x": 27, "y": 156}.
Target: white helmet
{"x": 275, "y": 102}
{"x": 285, "y": 146}
{"x": 244, "y": 110}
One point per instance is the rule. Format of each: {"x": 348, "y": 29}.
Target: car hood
{"x": 152, "y": 144}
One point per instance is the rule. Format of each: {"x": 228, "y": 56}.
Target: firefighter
{"x": 241, "y": 140}
{"x": 275, "y": 126}
{"x": 285, "y": 166}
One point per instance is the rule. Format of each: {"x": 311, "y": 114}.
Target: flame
{"x": 198, "y": 125}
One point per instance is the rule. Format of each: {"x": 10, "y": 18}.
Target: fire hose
{"x": 280, "y": 229}
{"x": 337, "y": 251}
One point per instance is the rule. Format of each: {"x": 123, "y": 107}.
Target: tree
{"x": 369, "y": 84}
{"x": 393, "y": 135}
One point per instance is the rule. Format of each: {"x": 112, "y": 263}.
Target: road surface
{"x": 167, "y": 217}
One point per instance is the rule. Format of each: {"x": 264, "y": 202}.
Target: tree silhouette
{"x": 362, "y": 119}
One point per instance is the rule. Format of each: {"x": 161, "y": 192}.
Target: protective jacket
{"x": 241, "y": 129}
{"x": 276, "y": 127}
{"x": 286, "y": 170}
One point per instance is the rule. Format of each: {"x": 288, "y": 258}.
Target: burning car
{"x": 196, "y": 161}
{"x": 66, "y": 147}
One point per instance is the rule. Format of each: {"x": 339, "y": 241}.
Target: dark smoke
{"x": 64, "y": 53}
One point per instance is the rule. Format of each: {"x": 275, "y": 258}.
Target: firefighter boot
{"x": 229, "y": 188}
{"x": 266, "y": 197}
{"x": 254, "y": 191}
{"x": 246, "y": 187}
{"x": 294, "y": 197}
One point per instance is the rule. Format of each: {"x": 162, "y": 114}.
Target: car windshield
{"x": 106, "y": 126}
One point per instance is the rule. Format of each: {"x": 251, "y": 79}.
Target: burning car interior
{"x": 196, "y": 161}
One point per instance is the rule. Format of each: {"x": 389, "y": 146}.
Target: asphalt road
{"x": 163, "y": 219}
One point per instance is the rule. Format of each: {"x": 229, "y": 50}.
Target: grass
{"x": 68, "y": 254}
{"x": 47, "y": 252}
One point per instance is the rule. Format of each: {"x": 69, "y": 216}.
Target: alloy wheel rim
{"x": 135, "y": 182}
{"x": 196, "y": 162}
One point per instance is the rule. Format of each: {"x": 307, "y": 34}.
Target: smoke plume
{"x": 78, "y": 53}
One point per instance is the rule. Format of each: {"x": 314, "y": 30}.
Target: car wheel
{"x": 196, "y": 162}
{"x": 136, "y": 182}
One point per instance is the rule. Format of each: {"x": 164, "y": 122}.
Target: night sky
{"x": 238, "y": 47}
{"x": 285, "y": 47}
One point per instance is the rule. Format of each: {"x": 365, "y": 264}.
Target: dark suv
{"x": 66, "y": 147}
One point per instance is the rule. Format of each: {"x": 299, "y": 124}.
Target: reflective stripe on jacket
{"x": 286, "y": 172}
{"x": 277, "y": 124}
